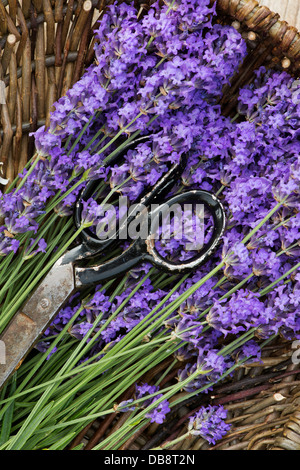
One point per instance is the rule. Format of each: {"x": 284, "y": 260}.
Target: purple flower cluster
{"x": 209, "y": 423}
{"x": 278, "y": 313}
{"x": 181, "y": 237}
{"x": 249, "y": 147}
{"x": 158, "y": 413}
{"x": 284, "y": 303}
{"x": 243, "y": 311}
{"x": 209, "y": 367}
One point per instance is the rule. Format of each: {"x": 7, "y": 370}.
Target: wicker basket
{"x": 45, "y": 46}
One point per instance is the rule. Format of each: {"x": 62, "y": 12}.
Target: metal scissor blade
{"x": 78, "y": 253}
{"x": 133, "y": 255}
{"x": 35, "y": 315}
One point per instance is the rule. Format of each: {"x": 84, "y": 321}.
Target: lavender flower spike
{"x": 209, "y": 423}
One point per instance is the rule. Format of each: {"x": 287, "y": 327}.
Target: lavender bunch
{"x": 160, "y": 75}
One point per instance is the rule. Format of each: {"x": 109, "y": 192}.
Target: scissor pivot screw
{"x": 45, "y": 303}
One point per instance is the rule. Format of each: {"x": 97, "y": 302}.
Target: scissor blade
{"x": 34, "y": 317}
{"x": 133, "y": 255}
{"x": 78, "y": 253}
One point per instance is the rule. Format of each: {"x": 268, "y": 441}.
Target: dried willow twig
{"x": 67, "y": 19}
{"x": 79, "y": 64}
{"x": 58, "y": 11}
{"x": 8, "y": 49}
{"x": 24, "y": 36}
{"x": 58, "y": 45}
{"x": 11, "y": 28}
{"x": 25, "y": 126}
{"x": 34, "y": 115}
{"x": 25, "y": 95}
{"x": 3, "y": 20}
{"x": 13, "y": 8}
{"x": 40, "y": 68}
{"x": 38, "y": 4}
{"x": 26, "y": 8}
{"x": 50, "y": 25}
{"x": 51, "y": 93}
{"x": 13, "y": 84}
{"x": 40, "y": 18}
{"x": 48, "y": 61}
{"x": 78, "y": 31}
{"x": 19, "y": 133}
{"x": 7, "y": 135}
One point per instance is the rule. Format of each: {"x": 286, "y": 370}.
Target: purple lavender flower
{"x": 187, "y": 329}
{"x": 127, "y": 66}
{"x": 157, "y": 414}
{"x": 242, "y": 311}
{"x": 98, "y": 304}
{"x": 236, "y": 258}
{"x": 209, "y": 423}
{"x": 8, "y": 245}
{"x": 40, "y": 248}
{"x": 125, "y": 406}
{"x": 79, "y": 330}
{"x": 209, "y": 368}
{"x": 250, "y": 351}
{"x": 90, "y": 212}
{"x": 284, "y": 303}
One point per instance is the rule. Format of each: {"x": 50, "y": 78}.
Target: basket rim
{"x": 261, "y": 19}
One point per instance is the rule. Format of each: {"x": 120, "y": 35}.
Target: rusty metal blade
{"x": 34, "y": 317}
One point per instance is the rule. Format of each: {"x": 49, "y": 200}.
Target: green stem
{"x": 264, "y": 220}
{"x": 267, "y": 289}
{"x": 41, "y": 273}
{"x": 32, "y": 167}
{"x": 82, "y": 131}
{"x": 14, "y": 182}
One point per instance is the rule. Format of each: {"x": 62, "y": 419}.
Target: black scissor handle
{"x": 215, "y": 207}
{"x": 144, "y": 250}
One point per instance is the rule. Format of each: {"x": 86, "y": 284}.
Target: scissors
{"x": 68, "y": 275}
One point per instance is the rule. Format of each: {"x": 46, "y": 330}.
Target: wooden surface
{"x": 289, "y": 10}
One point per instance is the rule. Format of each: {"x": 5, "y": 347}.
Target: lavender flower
{"x": 284, "y": 303}
{"x": 209, "y": 423}
{"x": 237, "y": 259}
{"x": 210, "y": 366}
{"x": 157, "y": 414}
{"x": 243, "y": 311}
{"x": 126, "y": 65}
{"x": 250, "y": 351}
{"x": 8, "y": 245}
{"x": 80, "y": 329}
{"x": 125, "y": 406}
{"x": 40, "y": 248}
